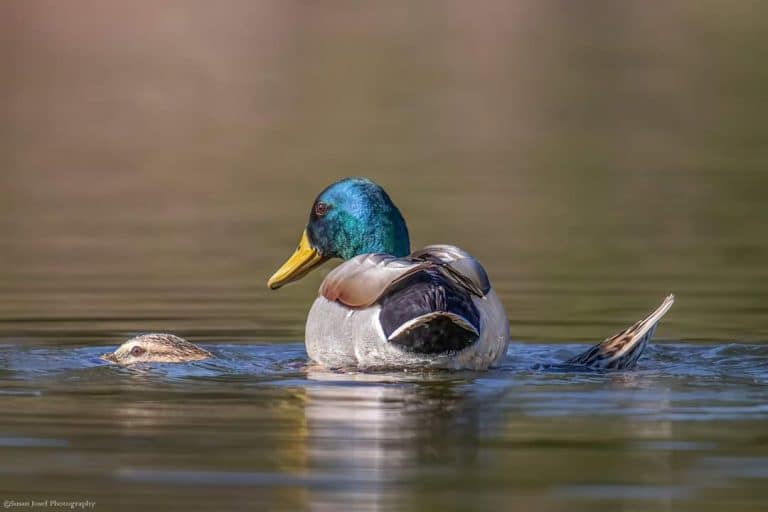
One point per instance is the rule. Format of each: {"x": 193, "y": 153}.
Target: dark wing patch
{"x": 427, "y": 312}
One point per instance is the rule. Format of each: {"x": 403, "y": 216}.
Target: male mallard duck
{"x": 156, "y": 348}
{"x": 383, "y": 307}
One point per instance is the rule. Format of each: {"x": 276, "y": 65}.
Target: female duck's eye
{"x": 321, "y": 209}
{"x": 137, "y": 351}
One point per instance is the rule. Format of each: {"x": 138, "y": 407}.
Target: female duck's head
{"x": 157, "y": 348}
{"x": 351, "y": 217}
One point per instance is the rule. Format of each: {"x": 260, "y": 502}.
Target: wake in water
{"x": 289, "y": 360}
{"x": 673, "y": 381}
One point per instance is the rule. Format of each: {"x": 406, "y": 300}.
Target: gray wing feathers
{"x": 463, "y": 268}
{"x": 362, "y": 280}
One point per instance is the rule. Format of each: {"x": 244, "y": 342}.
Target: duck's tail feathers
{"x": 621, "y": 351}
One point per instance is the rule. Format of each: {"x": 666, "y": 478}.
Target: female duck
{"x": 383, "y": 307}
{"x": 156, "y": 348}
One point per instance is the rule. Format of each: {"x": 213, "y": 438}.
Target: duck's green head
{"x": 353, "y": 216}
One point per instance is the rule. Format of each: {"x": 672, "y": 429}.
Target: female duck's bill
{"x": 156, "y": 348}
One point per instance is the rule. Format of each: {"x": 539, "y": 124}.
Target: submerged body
{"x": 156, "y": 348}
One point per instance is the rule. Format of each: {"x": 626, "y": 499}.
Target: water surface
{"x": 259, "y": 425}
{"x": 157, "y": 163}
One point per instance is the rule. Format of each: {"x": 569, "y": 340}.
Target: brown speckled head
{"x": 158, "y": 348}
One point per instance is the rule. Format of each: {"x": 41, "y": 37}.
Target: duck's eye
{"x": 321, "y": 208}
{"x": 138, "y": 351}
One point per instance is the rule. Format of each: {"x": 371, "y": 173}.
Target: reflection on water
{"x": 680, "y": 431}
{"x": 158, "y": 161}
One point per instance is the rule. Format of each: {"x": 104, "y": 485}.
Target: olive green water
{"x": 157, "y": 163}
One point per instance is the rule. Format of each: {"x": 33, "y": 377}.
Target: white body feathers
{"x": 344, "y": 327}
{"x": 338, "y": 336}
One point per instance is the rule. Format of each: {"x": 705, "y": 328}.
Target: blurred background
{"x": 158, "y": 161}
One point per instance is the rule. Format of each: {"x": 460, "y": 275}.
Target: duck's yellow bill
{"x": 304, "y": 259}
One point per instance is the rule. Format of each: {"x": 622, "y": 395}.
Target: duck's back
{"x": 434, "y": 308}
{"x": 427, "y": 313}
